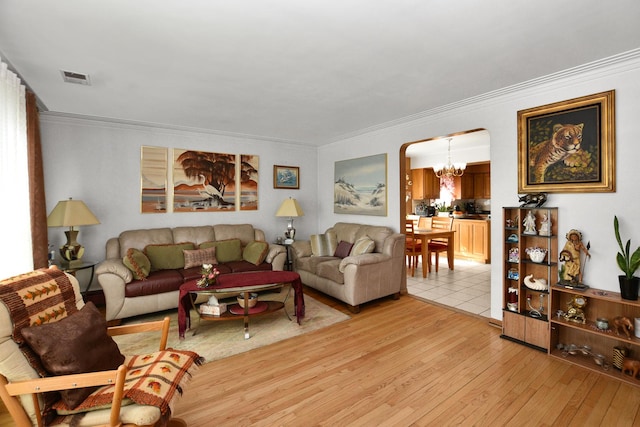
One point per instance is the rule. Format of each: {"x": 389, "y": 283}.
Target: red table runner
{"x": 237, "y": 280}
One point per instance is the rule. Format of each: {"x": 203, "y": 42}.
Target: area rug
{"x": 218, "y": 339}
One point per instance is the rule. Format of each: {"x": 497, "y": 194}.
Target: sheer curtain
{"x": 16, "y": 247}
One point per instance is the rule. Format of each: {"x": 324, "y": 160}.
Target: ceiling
{"x": 309, "y": 72}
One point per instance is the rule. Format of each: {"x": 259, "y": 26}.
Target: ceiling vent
{"x": 77, "y": 78}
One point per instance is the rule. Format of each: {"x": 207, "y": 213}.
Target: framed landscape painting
{"x": 568, "y": 146}
{"x": 153, "y": 179}
{"x": 286, "y": 177}
{"x": 360, "y": 186}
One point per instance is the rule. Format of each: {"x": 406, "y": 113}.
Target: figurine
{"x": 631, "y": 366}
{"x": 529, "y": 223}
{"x": 545, "y": 226}
{"x": 571, "y": 271}
{"x": 575, "y": 312}
{"x": 533, "y": 199}
{"x": 624, "y": 323}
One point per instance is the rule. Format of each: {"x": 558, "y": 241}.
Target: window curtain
{"x": 16, "y": 248}
{"x": 39, "y": 236}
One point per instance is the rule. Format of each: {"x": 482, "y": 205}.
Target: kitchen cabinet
{"x": 475, "y": 183}
{"x": 425, "y": 184}
{"x": 472, "y": 239}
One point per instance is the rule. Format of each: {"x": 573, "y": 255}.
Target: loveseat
{"x": 354, "y": 263}
{"x": 144, "y": 269}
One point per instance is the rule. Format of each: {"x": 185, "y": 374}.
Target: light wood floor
{"x": 403, "y": 363}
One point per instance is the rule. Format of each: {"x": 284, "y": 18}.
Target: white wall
{"x": 99, "y": 163}
{"x": 591, "y": 213}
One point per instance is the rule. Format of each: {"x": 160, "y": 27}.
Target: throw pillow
{"x": 323, "y": 244}
{"x": 167, "y": 257}
{"x": 76, "y": 344}
{"x": 136, "y": 261}
{"x": 197, "y": 257}
{"x": 255, "y": 252}
{"x": 363, "y": 245}
{"x": 226, "y": 250}
{"x": 343, "y": 249}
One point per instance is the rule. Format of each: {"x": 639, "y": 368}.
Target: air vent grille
{"x": 76, "y": 78}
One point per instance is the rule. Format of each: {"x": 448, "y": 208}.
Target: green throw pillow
{"x": 226, "y": 250}
{"x": 136, "y": 261}
{"x": 167, "y": 257}
{"x": 255, "y": 252}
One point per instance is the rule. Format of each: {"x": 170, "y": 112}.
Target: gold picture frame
{"x": 548, "y": 135}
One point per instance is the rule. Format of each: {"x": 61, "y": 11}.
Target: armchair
{"x": 115, "y": 398}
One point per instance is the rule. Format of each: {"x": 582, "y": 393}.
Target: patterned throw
{"x": 34, "y": 298}
{"x": 152, "y": 379}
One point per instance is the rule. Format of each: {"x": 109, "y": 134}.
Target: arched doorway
{"x": 468, "y": 286}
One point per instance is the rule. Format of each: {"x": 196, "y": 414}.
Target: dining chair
{"x": 413, "y": 247}
{"x": 436, "y": 246}
{"x": 424, "y": 223}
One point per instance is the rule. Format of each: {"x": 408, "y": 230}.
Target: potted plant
{"x": 628, "y": 263}
{"x": 443, "y": 210}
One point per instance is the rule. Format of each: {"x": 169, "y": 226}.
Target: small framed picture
{"x": 286, "y": 177}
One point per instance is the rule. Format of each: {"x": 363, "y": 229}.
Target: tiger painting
{"x": 564, "y": 142}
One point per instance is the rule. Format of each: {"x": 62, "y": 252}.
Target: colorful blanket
{"x": 34, "y": 298}
{"x": 154, "y": 379}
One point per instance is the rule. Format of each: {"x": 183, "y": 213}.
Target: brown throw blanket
{"x": 154, "y": 379}
{"x": 34, "y": 298}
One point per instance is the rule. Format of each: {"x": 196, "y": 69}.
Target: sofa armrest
{"x": 114, "y": 266}
{"x": 274, "y": 250}
{"x": 364, "y": 259}
{"x": 301, "y": 249}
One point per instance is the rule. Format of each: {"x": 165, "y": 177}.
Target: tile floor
{"x": 466, "y": 288}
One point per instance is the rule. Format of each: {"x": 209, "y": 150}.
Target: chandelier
{"x": 450, "y": 169}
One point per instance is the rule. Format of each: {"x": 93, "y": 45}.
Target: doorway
{"x": 468, "y": 286}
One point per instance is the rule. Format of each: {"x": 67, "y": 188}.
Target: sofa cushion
{"x": 364, "y": 245}
{"x": 245, "y": 232}
{"x": 157, "y": 282}
{"x": 243, "y": 266}
{"x": 194, "y": 234}
{"x": 226, "y": 250}
{"x": 329, "y": 270}
{"x": 323, "y": 244}
{"x": 138, "y": 263}
{"x": 197, "y": 257}
{"x": 310, "y": 264}
{"x": 167, "y": 257}
{"x": 255, "y": 252}
{"x": 343, "y": 249}
{"x": 76, "y": 344}
{"x": 140, "y": 239}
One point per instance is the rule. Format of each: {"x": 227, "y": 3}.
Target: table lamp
{"x": 290, "y": 208}
{"x": 71, "y": 213}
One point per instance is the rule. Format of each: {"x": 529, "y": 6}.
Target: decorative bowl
{"x": 253, "y": 300}
{"x": 536, "y": 254}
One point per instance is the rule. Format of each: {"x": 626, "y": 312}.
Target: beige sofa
{"x": 126, "y": 296}
{"x": 354, "y": 279}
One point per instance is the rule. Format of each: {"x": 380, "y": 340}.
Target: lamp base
{"x": 72, "y": 250}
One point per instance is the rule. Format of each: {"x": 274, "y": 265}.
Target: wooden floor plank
{"x": 399, "y": 363}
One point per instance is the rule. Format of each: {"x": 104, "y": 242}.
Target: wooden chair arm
{"x": 158, "y": 325}
{"x": 66, "y": 382}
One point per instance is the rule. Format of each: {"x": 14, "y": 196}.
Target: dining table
{"x": 426, "y": 235}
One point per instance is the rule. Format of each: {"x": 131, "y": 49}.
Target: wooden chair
{"x": 412, "y": 248}
{"x": 20, "y": 386}
{"x": 424, "y": 223}
{"x": 439, "y": 245}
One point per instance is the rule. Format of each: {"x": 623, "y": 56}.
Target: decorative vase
{"x": 629, "y": 287}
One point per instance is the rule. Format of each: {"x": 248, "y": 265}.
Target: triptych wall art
{"x": 197, "y": 181}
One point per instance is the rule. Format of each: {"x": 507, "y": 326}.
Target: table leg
{"x": 246, "y": 315}
{"x": 426, "y": 262}
{"x": 450, "y": 254}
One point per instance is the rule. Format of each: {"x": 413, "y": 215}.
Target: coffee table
{"x": 244, "y": 284}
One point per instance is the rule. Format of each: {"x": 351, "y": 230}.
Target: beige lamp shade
{"x": 71, "y": 213}
{"x": 290, "y": 208}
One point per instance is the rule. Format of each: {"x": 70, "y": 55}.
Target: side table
{"x": 288, "y": 264}
{"x": 72, "y": 268}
